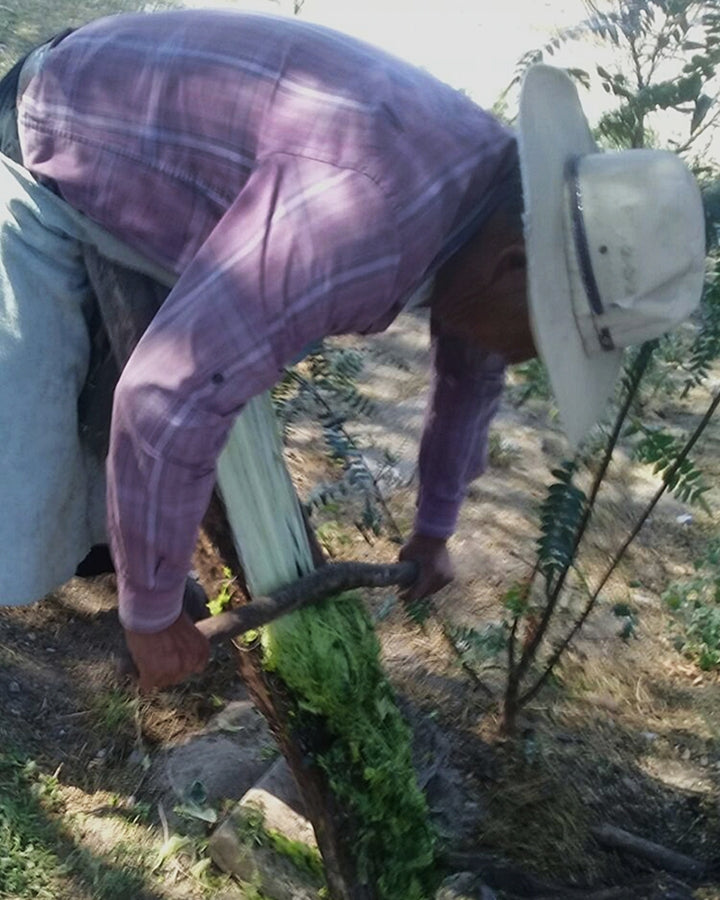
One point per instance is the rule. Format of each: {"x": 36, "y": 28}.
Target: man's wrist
{"x": 435, "y": 518}
{"x": 429, "y": 541}
{"x": 148, "y": 612}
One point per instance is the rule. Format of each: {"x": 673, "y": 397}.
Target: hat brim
{"x": 553, "y": 129}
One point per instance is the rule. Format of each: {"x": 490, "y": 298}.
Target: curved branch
{"x": 330, "y": 579}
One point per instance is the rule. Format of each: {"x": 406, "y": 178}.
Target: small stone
{"x": 14, "y": 687}
{"x": 649, "y": 736}
{"x": 277, "y": 797}
{"x": 704, "y": 762}
{"x": 685, "y": 755}
{"x": 630, "y": 785}
{"x": 464, "y": 886}
{"x": 137, "y": 757}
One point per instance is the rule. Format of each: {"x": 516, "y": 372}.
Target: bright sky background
{"x": 471, "y": 44}
{"x": 474, "y": 45}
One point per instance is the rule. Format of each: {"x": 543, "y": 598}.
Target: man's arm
{"x": 282, "y": 269}
{"x": 465, "y": 395}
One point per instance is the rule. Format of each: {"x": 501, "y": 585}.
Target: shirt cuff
{"x": 148, "y": 612}
{"x": 436, "y": 518}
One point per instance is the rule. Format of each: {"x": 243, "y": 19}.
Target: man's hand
{"x": 168, "y": 657}
{"x": 436, "y": 568}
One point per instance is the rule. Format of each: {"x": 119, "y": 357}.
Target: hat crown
{"x": 643, "y": 222}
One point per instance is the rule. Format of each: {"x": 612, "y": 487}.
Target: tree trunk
{"x": 271, "y": 698}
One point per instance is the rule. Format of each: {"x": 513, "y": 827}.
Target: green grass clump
{"x": 696, "y": 605}
{"x": 38, "y": 858}
{"x": 28, "y": 863}
{"x": 329, "y": 656}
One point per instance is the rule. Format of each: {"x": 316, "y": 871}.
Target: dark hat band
{"x": 582, "y": 248}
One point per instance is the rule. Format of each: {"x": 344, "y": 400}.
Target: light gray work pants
{"x": 52, "y": 506}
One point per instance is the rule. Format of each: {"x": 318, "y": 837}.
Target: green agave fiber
{"x": 261, "y": 504}
{"x": 329, "y": 657}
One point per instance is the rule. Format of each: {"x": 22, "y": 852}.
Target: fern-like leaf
{"x": 660, "y": 449}
{"x": 479, "y": 648}
{"x": 706, "y": 347}
{"x": 561, "y": 515}
{"x": 533, "y": 382}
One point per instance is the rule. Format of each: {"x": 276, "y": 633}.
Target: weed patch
{"x": 39, "y": 861}
{"x": 695, "y": 603}
{"x": 28, "y": 863}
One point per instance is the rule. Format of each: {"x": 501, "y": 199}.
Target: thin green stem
{"x": 667, "y": 478}
{"x": 637, "y": 372}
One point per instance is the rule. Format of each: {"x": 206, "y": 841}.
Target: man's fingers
{"x": 421, "y": 588}
{"x": 200, "y": 653}
{"x": 436, "y": 569}
{"x": 424, "y": 586}
{"x": 156, "y": 680}
{"x": 169, "y": 656}
{"x": 201, "y": 661}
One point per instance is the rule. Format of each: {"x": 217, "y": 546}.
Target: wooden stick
{"x": 612, "y": 838}
{"x": 329, "y": 579}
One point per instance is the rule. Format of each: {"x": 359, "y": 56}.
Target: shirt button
{"x": 218, "y": 378}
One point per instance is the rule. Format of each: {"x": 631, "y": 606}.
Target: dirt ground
{"x": 626, "y": 734}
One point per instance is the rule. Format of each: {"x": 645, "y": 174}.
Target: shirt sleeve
{"x": 465, "y": 395}
{"x": 306, "y": 250}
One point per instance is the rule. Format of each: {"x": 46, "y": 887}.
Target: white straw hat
{"x": 615, "y": 246}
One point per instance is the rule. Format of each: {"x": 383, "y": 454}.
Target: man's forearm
{"x": 465, "y": 395}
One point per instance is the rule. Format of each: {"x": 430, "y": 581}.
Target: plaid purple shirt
{"x": 302, "y": 184}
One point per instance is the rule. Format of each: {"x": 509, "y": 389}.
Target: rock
{"x": 271, "y": 873}
{"x": 226, "y": 760}
{"x": 234, "y": 849}
{"x": 138, "y": 757}
{"x": 464, "y": 886}
{"x": 223, "y": 768}
{"x": 277, "y": 797}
